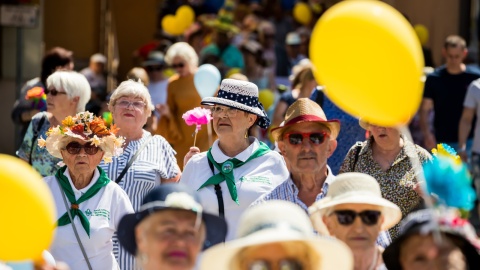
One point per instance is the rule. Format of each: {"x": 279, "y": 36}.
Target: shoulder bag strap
{"x": 358, "y": 148}
{"x": 130, "y": 162}
{"x": 73, "y": 226}
{"x": 36, "y": 132}
{"x": 218, "y": 192}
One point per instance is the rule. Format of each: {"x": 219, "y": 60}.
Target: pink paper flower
{"x": 198, "y": 116}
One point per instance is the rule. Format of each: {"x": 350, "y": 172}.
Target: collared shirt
{"x": 104, "y": 211}
{"x": 255, "y": 178}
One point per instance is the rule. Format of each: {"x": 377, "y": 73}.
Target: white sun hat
{"x": 280, "y": 222}
{"x": 355, "y": 188}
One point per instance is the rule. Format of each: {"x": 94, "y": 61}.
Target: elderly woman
{"x": 181, "y": 97}
{"x": 170, "y": 229}
{"x": 433, "y": 240}
{"x": 89, "y": 205}
{"x": 386, "y": 156}
{"x": 67, "y": 94}
{"x": 350, "y": 196}
{"x": 237, "y": 169}
{"x": 277, "y": 235}
{"x": 147, "y": 161}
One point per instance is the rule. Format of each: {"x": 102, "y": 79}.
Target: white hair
{"x": 184, "y": 51}
{"x": 74, "y": 84}
{"x": 131, "y": 88}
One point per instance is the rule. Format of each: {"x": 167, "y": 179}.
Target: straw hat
{"x": 87, "y": 127}
{"x": 356, "y": 188}
{"x": 242, "y": 95}
{"x": 284, "y": 223}
{"x": 306, "y": 110}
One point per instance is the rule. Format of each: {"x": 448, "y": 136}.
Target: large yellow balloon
{"x": 27, "y": 211}
{"x": 178, "y": 23}
{"x": 422, "y": 33}
{"x": 185, "y": 16}
{"x": 266, "y": 97}
{"x": 370, "y": 61}
{"x": 302, "y": 13}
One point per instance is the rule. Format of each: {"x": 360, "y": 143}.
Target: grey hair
{"x": 184, "y": 51}
{"x": 74, "y": 84}
{"x": 131, "y": 88}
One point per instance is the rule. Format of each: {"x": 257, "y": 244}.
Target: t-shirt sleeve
{"x": 428, "y": 89}
{"x": 473, "y": 94}
{"x": 168, "y": 167}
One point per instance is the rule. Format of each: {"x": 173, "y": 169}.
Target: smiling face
{"x": 81, "y": 163}
{"x": 170, "y": 240}
{"x": 132, "y": 117}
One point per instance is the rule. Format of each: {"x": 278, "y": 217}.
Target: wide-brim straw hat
{"x": 284, "y": 223}
{"x": 306, "y": 110}
{"x": 241, "y": 95}
{"x": 355, "y": 188}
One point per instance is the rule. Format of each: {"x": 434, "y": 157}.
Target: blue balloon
{"x": 206, "y": 80}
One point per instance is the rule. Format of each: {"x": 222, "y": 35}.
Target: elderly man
{"x": 355, "y": 195}
{"x": 306, "y": 141}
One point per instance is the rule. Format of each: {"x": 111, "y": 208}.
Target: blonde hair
{"x": 138, "y": 73}
{"x": 131, "y": 88}
{"x": 184, "y": 51}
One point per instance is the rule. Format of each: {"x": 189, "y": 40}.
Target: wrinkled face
{"x": 454, "y": 56}
{"x": 228, "y": 121}
{"x": 170, "y": 240}
{"x": 84, "y": 162}
{"x": 275, "y": 256}
{"x": 420, "y": 252}
{"x": 311, "y": 153}
{"x": 58, "y": 102}
{"x": 129, "y": 113}
{"x": 357, "y": 235}
{"x": 384, "y": 136}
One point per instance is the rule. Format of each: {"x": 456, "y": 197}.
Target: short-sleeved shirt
{"x": 448, "y": 93}
{"x": 104, "y": 211}
{"x": 472, "y": 101}
{"x": 41, "y": 160}
{"x": 255, "y": 178}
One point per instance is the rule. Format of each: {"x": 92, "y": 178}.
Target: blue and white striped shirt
{"x": 156, "y": 161}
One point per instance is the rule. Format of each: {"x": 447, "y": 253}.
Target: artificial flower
{"x": 96, "y": 141}
{"x": 446, "y": 150}
{"x": 198, "y": 116}
{"x": 41, "y": 142}
{"x": 68, "y": 121}
{"x": 35, "y": 92}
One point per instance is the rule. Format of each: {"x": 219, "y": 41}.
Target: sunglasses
{"x": 53, "y": 92}
{"x": 180, "y": 65}
{"x": 74, "y": 148}
{"x": 347, "y": 217}
{"x": 296, "y": 138}
{"x": 153, "y": 68}
{"x": 285, "y": 264}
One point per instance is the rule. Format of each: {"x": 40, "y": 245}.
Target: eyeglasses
{"x": 53, "y": 92}
{"x": 218, "y": 111}
{"x": 74, "y": 148}
{"x": 179, "y": 65}
{"x": 347, "y": 217}
{"x": 123, "y": 104}
{"x": 286, "y": 264}
{"x": 296, "y": 138}
{"x": 153, "y": 68}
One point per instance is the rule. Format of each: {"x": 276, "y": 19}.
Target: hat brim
{"x": 333, "y": 254}
{"x": 226, "y": 102}
{"x": 333, "y": 125}
{"x": 390, "y": 211}
{"x": 216, "y": 228}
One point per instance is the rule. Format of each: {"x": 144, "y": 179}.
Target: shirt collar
{"x": 220, "y": 157}
{"x": 330, "y": 178}
{"x": 96, "y": 175}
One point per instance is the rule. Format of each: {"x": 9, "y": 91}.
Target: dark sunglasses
{"x": 286, "y": 264}
{"x": 347, "y": 217}
{"x": 74, "y": 148}
{"x": 53, "y": 92}
{"x": 296, "y": 138}
{"x": 180, "y": 65}
{"x": 153, "y": 68}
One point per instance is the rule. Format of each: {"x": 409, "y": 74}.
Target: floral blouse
{"x": 396, "y": 184}
{"x": 41, "y": 160}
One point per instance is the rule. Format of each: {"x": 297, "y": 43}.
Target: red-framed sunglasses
{"x": 296, "y": 138}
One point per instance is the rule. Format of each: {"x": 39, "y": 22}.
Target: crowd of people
{"x": 262, "y": 188}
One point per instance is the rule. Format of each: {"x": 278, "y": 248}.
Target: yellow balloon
{"x": 368, "y": 58}
{"x": 169, "y": 25}
{"x": 27, "y": 211}
{"x": 266, "y": 97}
{"x": 185, "y": 16}
{"x": 302, "y": 13}
{"x": 422, "y": 33}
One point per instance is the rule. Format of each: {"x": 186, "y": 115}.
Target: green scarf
{"x": 226, "y": 170}
{"x": 75, "y": 210}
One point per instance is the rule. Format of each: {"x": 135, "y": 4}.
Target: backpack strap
{"x": 358, "y": 148}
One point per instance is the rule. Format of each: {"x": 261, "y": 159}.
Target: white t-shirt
{"x": 472, "y": 101}
{"x": 104, "y": 211}
{"x": 255, "y": 178}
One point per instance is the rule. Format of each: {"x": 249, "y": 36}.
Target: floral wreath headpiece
{"x": 87, "y": 127}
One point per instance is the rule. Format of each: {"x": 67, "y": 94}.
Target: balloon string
{"x": 418, "y": 170}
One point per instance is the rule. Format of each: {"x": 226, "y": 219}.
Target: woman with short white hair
{"x": 181, "y": 97}
{"x": 67, "y": 94}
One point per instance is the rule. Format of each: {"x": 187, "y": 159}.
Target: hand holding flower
{"x": 198, "y": 116}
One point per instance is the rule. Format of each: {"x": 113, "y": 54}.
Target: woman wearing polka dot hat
{"x": 237, "y": 169}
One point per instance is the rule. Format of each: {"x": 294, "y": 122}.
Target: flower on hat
{"x": 87, "y": 127}
{"x": 38, "y": 97}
